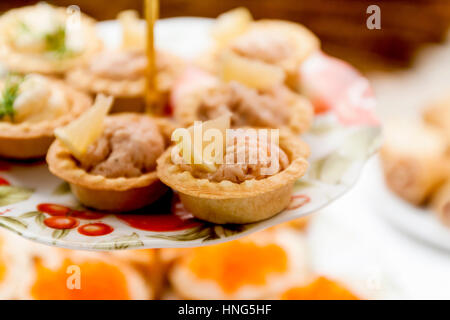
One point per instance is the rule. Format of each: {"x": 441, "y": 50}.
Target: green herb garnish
{"x": 24, "y": 27}
{"x": 9, "y": 95}
{"x": 56, "y": 41}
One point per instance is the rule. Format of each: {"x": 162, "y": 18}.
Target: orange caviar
{"x": 320, "y": 289}
{"x": 99, "y": 280}
{"x": 2, "y": 271}
{"x": 235, "y": 264}
{"x": 2, "y": 264}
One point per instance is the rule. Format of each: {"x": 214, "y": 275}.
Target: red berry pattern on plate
{"x": 87, "y": 214}
{"x": 53, "y": 209}
{"x": 66, "y": 218}
{"x": 95, "y": 229}
{"x": 298, "y": 201}
{"x": 58, "y": 222}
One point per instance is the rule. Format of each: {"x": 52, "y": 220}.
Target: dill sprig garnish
{"x": 9, "y": 95}
{"x": 56, "y": 41}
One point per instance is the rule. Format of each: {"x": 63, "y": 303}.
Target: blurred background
{"x": 370, "y": 242}
{"x": 406, "y": 25}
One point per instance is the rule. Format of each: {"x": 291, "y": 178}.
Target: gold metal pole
{"x": 151, "y": 93}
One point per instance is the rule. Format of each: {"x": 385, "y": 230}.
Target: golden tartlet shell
{"x": 227, "y": 202}
{"x": 31, "y": 140}
{"x": 113, "y": 194}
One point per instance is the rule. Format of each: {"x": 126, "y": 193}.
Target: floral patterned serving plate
{"x": 40, "y": 207}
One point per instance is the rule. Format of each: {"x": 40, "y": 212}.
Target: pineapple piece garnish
{"x": 84, "y": 131}
{"x": 206, "y": 160}
{"x": 231, "y": 24}
{"x": 133, "y": 31}
{"x": 201, "y": 155}
{"x": 251, "y": 73}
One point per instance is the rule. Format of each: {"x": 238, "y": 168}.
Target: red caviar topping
{"x": 98, "y": 280}
{"x": 235, "y": 264}
{"x": 320, "y": 289}
{"x": 2, "y": 264}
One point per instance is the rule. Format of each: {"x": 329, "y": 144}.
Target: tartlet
{"x": 119, "y": 193}
{"x": 42, "y": 39}
{"x": 31, "y": 138}
{"x": 121, "y": 74}
{"x": 275, "y": 42}
{"x": 294, "y": 40}
{"x": 232, "y": 202}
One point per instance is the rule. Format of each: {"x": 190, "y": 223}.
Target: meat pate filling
{"x": 127, "y": 148}
{"x": 246, "y": 157}
{"x": 130, "y": 64}
{"x": 249, "y": 107}
{"x": 119, "y": 65}
{"x": 264, "y": 45}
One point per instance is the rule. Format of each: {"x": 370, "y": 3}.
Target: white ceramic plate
{"x": 416, "y": 222}
{"x": 38, "y": 206}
